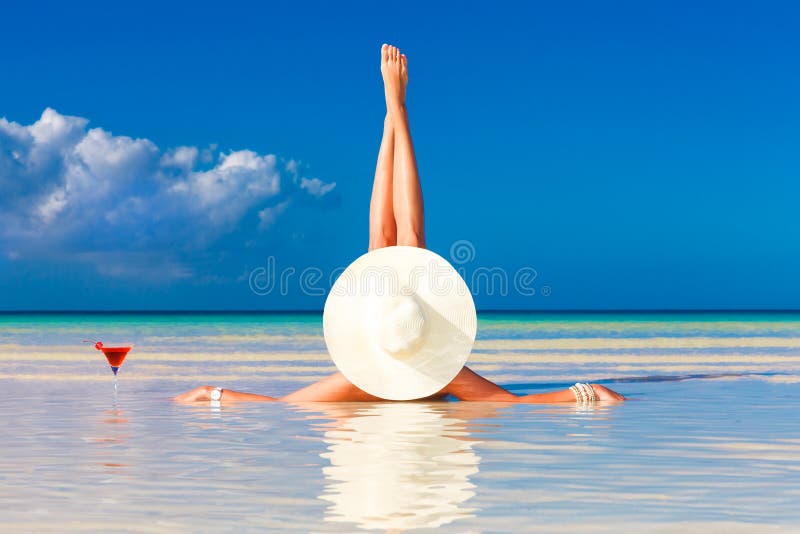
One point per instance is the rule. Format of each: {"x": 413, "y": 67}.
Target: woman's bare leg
{"x": 408, "y": 206}
{"x": 382, "y": 227}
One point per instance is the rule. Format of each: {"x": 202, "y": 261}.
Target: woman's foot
{"x": 394, "y": 69}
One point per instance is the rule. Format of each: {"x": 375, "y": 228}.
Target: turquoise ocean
{"x": 709, "y": 439}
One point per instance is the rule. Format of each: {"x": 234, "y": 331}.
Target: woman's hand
{"x": 605, "y": 394}
{"x": 203, "y": 393}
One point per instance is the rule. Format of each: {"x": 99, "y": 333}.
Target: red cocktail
{"x": 114, "y": 355}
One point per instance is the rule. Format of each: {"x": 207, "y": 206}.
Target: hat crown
{"x": 400, "y": 325}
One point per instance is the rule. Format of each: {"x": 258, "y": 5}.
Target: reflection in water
{"x": 114, "y": 416}
{"x": 399, "y": 465}
{"x": 115, "y": 433}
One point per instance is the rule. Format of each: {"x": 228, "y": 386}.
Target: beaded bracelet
{"x": 583, "y": 392}
{"x": 589, "y": 392}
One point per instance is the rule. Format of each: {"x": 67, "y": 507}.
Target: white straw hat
{"x": 400, "y": 323}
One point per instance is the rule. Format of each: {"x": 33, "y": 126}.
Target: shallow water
{"x": 709, "y": 440}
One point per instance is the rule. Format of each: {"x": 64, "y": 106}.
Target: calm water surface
{"x": 709, "y": 440}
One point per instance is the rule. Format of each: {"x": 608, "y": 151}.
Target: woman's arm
{"x": 470, "y": 386}
{"x": 203, "y": 393}
{"x": 466, "y": 386}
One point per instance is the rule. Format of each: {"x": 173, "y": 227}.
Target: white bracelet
{"x": 583, "y": 392}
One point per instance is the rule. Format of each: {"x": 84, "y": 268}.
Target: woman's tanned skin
{"x": 397, "y": 218}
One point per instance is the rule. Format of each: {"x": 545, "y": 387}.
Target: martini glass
{"x": 115, "y": 356}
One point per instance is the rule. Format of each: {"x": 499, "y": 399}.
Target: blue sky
{"x": 633, "y": 154}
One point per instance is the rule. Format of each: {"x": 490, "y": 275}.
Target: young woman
{"x": 396, "y": 218}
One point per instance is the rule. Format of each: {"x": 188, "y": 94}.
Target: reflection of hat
{"x": 399, "y": 466}
{"x": 400, "y": 323}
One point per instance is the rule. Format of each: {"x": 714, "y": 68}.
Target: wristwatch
{"x": 216, "y": 394}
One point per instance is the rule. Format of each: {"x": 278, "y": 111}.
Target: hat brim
{"x": 449, "y": 315}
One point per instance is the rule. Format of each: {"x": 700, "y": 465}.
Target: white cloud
{"x": 207, "y": 154}
{"x": 182, "y": 158}
{"x": 52, "y": 127}
{"x": 79, "y": 193}
{"x": 316, "y": 187}
{"x": 52, "y": 206}
{"x": 224, "y": 193}
{"x": 268, "y": 216}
